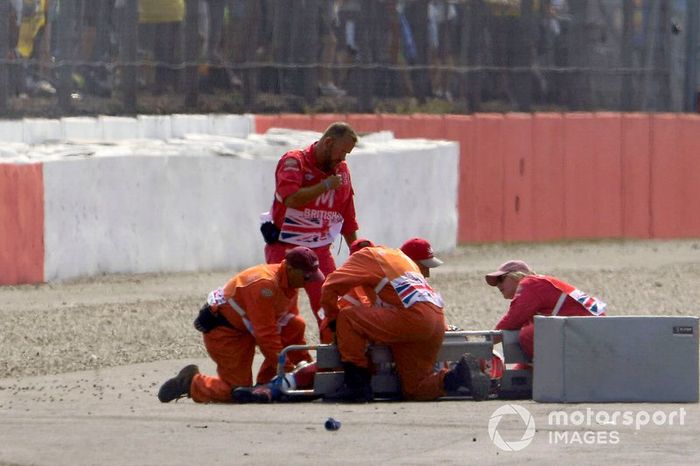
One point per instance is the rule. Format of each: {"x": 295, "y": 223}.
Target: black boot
{"x": 256, "y": 394}
{"x": 357, "y": 386}
{"x": 178, "y": 386}
{"x": 467, "y": 374}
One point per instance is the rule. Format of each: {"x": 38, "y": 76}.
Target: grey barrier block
{"x": 616, "y": 359}
{"x": 328, "y": 382}
{"x": 328, "y": 357}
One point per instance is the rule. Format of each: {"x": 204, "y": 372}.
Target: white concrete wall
{"x": 167, "y": 213}
{"x": 151, "y": 214}
{"x": 406, "y": 188}
{"x": 111, "y": 128}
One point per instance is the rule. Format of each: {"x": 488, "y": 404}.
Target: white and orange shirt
{"x": 387, "y": 277}
{"x": 257, "y": 300}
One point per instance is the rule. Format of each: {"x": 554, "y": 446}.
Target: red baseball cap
{"x": 306, "y": 260}
{"x": 360, "y": 243}
{"x": 507, "y": 267}
{"x": 421, "y": 252}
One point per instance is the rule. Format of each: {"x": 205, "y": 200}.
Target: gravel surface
{"x": 124, "y": 319}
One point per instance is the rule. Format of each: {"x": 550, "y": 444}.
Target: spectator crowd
{"x": 516, "y": 52}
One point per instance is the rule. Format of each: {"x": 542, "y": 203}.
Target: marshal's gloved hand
{"x": 270, "y": 232}
{"x": 207, "y": 321}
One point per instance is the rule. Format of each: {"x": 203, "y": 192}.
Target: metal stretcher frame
{"x": 515, "y": 383}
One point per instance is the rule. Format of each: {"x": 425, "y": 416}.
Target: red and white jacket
{"x": 319, "y": 222}
{"x": 547, "y": 296}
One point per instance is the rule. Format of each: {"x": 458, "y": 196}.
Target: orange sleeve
{"x": 261, "y": 306}
{"x": 358, "y": 296}
{"x": 359, "y": 270}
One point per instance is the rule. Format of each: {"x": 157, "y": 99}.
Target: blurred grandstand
{"x": 75, "y": 57}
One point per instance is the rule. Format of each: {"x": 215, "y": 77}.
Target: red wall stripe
{"x": 265, "y": 122}
{"x": 666, "y": 177}
{"x": 488, "y": 176}
{"x": 607, "y": 174}
{"x": 517, "y": 177}
{"x": 548, "y": 202}
{"x": 461, "y": 128}
{"x": 689, "y": 150}
{"x": 21, "y": 224}
{"x": 322, "y": 121}
{"x": 400, "y": 125}
{"x": 635, "y": 162}
{"x": 365, "y": 122}
{"x": 427, "y": 126}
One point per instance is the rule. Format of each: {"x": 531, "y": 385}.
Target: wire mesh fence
{"x": 64, "y": 57}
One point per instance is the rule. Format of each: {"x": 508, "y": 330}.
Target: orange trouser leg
{"x": 313, "y": 290}
{"x": 274, "y": 254}
{"x": 232, "y": 351}
{"x": 292, "y": 333}
{"x": 415, "y": 365}
{"x": 414, "y": 335}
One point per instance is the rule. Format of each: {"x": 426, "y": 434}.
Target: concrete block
{"x": 12, "y": 131}
{"x": 189, "y": 124}
{"x": 80, "y": 129}
{"x": 239, "y": 126}
{"x": 616, "y": 359}
{"x": 155, "y": 127}
{"x": 118, "y": 128}
{"x": 41, "y": 130}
